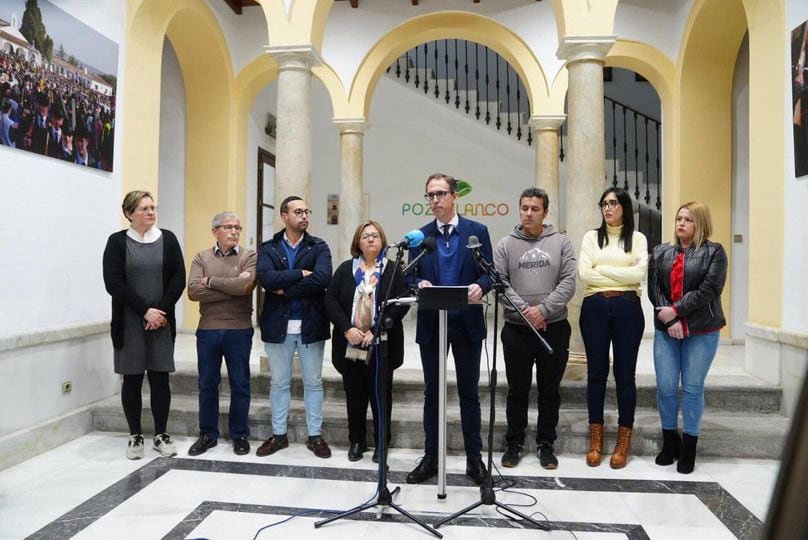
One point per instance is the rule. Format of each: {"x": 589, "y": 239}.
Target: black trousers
{"x": 359, "y": 382}
{"x": 522, "y": 349}
{"x": 618, "y": 322}
{"x": 466, "y": 355}
{"x": 133, "y": 403}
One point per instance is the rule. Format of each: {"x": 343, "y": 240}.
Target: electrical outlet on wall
{"x": 67, "y": 386}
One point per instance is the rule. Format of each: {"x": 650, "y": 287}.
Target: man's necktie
{"x": 447, "y": 230}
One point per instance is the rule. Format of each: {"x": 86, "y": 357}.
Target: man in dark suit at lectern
{"x": 451, "y": 263}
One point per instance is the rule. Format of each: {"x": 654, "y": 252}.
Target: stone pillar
{"x": 586, "y": 158}
{"x": 293, "y": 140}
{"x": 352, "y": 209}
{"x": 546, "y": 129}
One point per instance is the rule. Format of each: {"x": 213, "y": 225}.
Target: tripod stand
{"x": 385, "y": 496}
{"x": 487, "y": 495}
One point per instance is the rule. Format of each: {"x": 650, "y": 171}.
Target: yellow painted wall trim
{"x": 558, "y": 94}
{"x": 705, "y": 72}
{"x": 205, "y": 63}
{"x": 655, "y": 66}
{"x": 305, "y": 25}
{"x": 767, "y": 167}
{"x": 584, "y": 17}
{"x": 336, "y": 90}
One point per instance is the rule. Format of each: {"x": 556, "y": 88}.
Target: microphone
{"x": 474, "y": 245}
{"x": 411, "y": 239}
{"x": 427, "y": 246}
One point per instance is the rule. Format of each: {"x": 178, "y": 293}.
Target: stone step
{"x": 723, "y": 434}
{"x": 724, "y": 393}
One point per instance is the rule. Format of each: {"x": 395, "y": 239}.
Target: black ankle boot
{"x": 671, "y": 445}
{"x": 687, "y": 457}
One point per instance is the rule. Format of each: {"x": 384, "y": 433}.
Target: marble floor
{"x": 88, "y": 489}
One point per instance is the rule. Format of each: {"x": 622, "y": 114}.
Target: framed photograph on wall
{"x": 799, "y": 97}
{"x": 58, "y": 82}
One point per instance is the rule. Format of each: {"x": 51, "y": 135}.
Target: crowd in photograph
{"x": 54, "y": 114}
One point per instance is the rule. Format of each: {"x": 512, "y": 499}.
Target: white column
{"x": 546, "y": 129}
{"x": 293, "y": 140}
{"x": 586, "y": 155}
{"x": 352, "y": 209}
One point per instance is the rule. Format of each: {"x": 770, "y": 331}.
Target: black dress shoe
{"x": 202, "y": 445}
{"x": 475, "y": 469}
{"x": 356, "y": 450}
{"x": 375, "y": 458}
{"x": 424, "y": 471}
{"x": 241, "y": 446}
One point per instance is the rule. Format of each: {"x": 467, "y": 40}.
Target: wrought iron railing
{"x": 471, "y": 77}
{"x": 479, "y": 82}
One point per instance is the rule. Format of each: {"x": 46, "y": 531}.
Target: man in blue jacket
{"x": 294, "y": 268}
{"x": 451, "y": 263}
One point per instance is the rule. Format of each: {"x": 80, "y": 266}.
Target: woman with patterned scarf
{"x": 352, "y": 301}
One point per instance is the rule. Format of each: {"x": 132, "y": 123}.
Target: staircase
{"x": 742, "y": 416}
{"x": 477, "y": 82}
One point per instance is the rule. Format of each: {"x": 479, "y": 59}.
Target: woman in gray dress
{"x": 145, "y": 274}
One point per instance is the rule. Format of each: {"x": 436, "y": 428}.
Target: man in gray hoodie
{"x": 539, "y": 265}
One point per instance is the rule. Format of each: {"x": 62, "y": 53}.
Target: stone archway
{"x": 457, "y": 25}
{"x": 204, "y": 58}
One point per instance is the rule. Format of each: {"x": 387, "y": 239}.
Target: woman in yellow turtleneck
{"x": 612, "y": 263}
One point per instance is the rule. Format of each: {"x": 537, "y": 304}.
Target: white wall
{"x": 245, "y": 34}
{"x": 409, "y": 138}
{"x": 171, "y": 173}
{"x": 57, "y": 219}
{"x": 794, "y": 353}
{"x": 739, "y": 251}
{"x": 265, "y": 102}
{"x": 795, "y": 247}
{"x": 658, "y": 23}
{"x": 412, "y": 136}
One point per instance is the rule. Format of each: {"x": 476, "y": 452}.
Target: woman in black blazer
{"x": 352, "y": 301}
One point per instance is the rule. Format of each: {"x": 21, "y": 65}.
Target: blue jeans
{"x": 235, "y": 346}
{"x": 311, "y": 366}
{"x": 689, "y": 358}
{"x": 618, "y": 322}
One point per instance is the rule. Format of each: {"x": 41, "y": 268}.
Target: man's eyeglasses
{"x": 435, "y": 195}
{"x": 369, "y": 235}
{"x": 611, "y": 203}
{"x": 236, "y": 228}
{"x": 300, "y": 212}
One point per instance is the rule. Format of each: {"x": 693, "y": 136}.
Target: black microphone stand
{"x": 487, "y": 494}
{"x": 385, "y": 496}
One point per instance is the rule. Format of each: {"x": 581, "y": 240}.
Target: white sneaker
{"x": 135, "y": 448}
{"x": 164, "y": 445}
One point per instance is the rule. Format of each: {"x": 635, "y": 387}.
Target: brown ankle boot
{"x": 620, "y": 455}
{"x": 593, "y": 457}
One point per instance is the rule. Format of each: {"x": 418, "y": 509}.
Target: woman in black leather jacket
{"x": 685, "y": 280}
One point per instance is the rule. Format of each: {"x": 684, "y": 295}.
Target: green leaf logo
{"x": 463, "y": 188}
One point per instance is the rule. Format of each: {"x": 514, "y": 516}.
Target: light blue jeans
{"x": 689, "y": 358}
{"x": 311, "y": 366}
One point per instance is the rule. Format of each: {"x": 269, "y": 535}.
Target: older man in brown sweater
{"x": 222, "y": 279}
